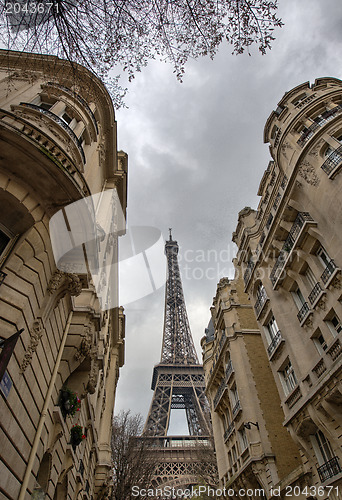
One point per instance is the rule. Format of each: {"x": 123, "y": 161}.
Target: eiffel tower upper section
{"x": 178, "y": 346}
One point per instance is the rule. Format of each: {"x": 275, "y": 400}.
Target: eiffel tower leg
{"x": 157, "y": 422}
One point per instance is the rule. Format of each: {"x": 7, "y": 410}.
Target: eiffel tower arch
{"x": 178, "y": 383}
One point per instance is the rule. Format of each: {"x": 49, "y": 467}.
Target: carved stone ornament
{"x": 222, "y": 283}
{"x": 298, "y": 184}
{"x": 85, "y": 346}
{"x": 308, "y": 322}
{"x": 284, "y": 147}
{"x": 308, "y": 173}
{"x": 36, "y": 333}
{"x": 337, "y": 282}
{"x": 322, "y": 303}
{"x": 74, "y": 285}
{"x": 94, "y": 372}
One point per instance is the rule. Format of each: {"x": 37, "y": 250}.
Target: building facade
{"x": 58, "y": 146}
{"x": 245, "y": 406}
{"x": 290, "y": 250}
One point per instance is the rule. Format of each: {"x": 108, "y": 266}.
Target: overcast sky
{"x": 196, "y": 157}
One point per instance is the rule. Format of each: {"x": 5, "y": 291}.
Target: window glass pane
{"x": 4, "y": 240}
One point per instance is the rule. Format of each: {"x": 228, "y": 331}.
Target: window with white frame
{"x": 234, "y": 395}
{"x": 243, "y": 439}
{"x": 298, "y": 298}
{"x": 226, "y": 419}
{"x": 334, "y": 324}
{"x": 271, "y": 329}
{"x": 322, "y": 447}
{"x": 323, "y": 256}
{"x": 320, "y": 342}
{"x": 288, "y": 378}
{"x": 310, "y": 278}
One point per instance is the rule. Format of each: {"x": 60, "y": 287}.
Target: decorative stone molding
{"x": 336, "y": 282}
{"x": 74, "y": 285}
{"x": 308, "y": 173}
{"x": 36, "y": 333}
{"x": 322, "y": 303}
{"x": 222, "y": 283}
{"x": 85, "y": 346}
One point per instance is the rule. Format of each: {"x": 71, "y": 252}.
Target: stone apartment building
{"x": 291, "y": 252}
{"x": 245, "y": 406}
{"x": 289, "y": 260}
{"x": 58, "y": 146}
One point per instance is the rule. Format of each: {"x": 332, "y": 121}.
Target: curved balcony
{"x": 333, "y": 161}
{"x": 329, "y": 272}
{"x": 79, "y": 99}
{"x": 60, "y": 122}
{"x": 302, "y": 220}
{"x": 318, "y": 122}
{"x": 329, "y": 469}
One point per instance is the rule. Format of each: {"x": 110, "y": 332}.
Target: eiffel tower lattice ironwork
{"x": 178, "y": 383}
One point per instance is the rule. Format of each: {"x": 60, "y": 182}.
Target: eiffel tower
{"x": 178, "y": 383}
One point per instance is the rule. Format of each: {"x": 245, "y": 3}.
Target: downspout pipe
{"x": 44, "y": 413}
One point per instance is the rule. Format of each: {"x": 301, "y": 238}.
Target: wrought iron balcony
{"x": 319, "y": 122}
{"x": 329, "y": 469}
{"x": 303, "y": 312}
{"x": 228, "y": 432}
{"x": 2, "y": 277}
{"x": 293, "y": 236}
{"x": 276, "y": 341}
{"x": 332, "y": 161}
{"x": 237, "y": 408}
{"x": 248, "y": 272}
{"x": 60, "y": 122}
{"x": 79, "y": 98}
{"x": 328, "y": 271}
{"x": 221, "y": 388}
{"x": 229, "y": 370}
{"x": 315, "y": 293}
{"x": 262, "y": 298}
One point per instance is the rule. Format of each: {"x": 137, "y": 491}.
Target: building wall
{"x": 247, "y": 417}
{"x": 67, "y": 340}
{"x": 290, "y": 251}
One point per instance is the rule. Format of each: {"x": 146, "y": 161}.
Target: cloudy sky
{"x": 196, "y": 157}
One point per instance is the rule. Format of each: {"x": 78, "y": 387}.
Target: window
{"x": 243, "y": 439}
{"x": 323, "y": 256}
{"x": 298, "y": 298}
{"x": 288, "y": 378}
{"x": 4, "y": 241}
{"x": 334, "y": 325}
{"x": 321, "y": 447}
{"x": 67, "y": 118}
{"x": 226, "y": 419}
{"x": 271, "y": 329}
{"x": 310, "y": 277}
{"x": 235, "y": 396}
{"x": 320, "y": 343}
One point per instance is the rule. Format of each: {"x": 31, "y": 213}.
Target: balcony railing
{"x": 228, "y": 432}
{"x": 60, "y": 122}
{"x": 332, "y": 161}
{"x": 295, "y": 231}
{"x": 79, "y": 98}
{"x": 236, "y": 408}
{"x": 328, "y": 271}
{"x": 2, "y": 277}
{"x": 319, "y": 122}
{"x": 315, "y": 293}
{"x": 248, "y": 272}
{"x": 329, "y": 469}
{"x": 219, "y": 393}
{"x": 303, "y": 312}
{"x": 262, "y": 298}
{"x": 229, "y": 370}
{"x": 274, "y": 343}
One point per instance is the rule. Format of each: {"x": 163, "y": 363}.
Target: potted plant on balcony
{"x": 68, "y": 402}
{"x": 76, "y": 436}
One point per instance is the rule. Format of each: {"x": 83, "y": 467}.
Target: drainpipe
{"x": 44, "y": 413}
